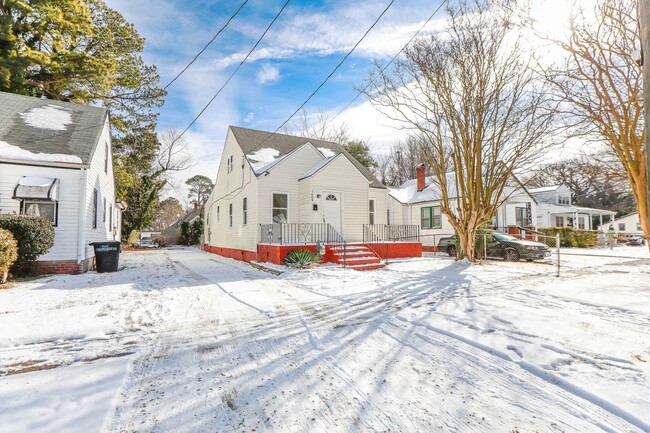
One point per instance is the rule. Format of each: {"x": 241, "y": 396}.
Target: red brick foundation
{"x": 62, "y": 266}
{"x": 398, "y": 250}
{"x": 243, "y": 255}
{"x": 430, "y": 248}
{"x": 277, "y": 253}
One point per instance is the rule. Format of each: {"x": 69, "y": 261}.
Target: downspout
{"x": 81, "y": 235}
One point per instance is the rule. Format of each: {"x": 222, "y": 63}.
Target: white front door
{"x": 332, "y": 210}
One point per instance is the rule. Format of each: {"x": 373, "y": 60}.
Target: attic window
{"x": 230, "y": 163}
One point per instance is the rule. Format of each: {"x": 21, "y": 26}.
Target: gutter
{"x": 69, "y": 165}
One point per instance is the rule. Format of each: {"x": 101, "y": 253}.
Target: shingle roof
{"x": 50, "y": 127}
{"x": 251, "y": 140}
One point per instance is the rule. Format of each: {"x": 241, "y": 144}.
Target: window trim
{"x": 245, "y": 211}
{"x": 95, "y": 204}
{"x": 218, "y": 214}
{"x": 55, "y": 203}
{"x": 431, "y": 217}
{"x": 286, "y": 209}
{"x": 104, "y": 209}
{"x": 230, "y": 215}
{"x": 106, "y": 158}
{"x": 371, "y": 211}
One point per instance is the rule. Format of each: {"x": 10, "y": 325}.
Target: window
{"x": 371, "y": 212}
{"x": 430, "y": 217}
{"x": 638, "y": 227}
{"x": 280, "y": 208}
{"x": 110, "y": 216}
{"x": 581, "y": 223}
{"x": 520, "y": 217}
{"x": 245, "y": 211}
{"x": 230, "y": 214}
{"x": 95, "y": 204}
{"x": 218, "y": 215}
{"x": 104, "y": 210}
{"x": 621, "y": 227}
{"x": 388, "y": 216}
{"x": 106, "y": 158}
{"x": 44, "y": 209}
{"x": 230, "y": 164}
{"x": 563, "y": 199}
{"x": 559, "y": 221}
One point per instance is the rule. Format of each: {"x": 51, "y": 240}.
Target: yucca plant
{"x": 301, "y": 259}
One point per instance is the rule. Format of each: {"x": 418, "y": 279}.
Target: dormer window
{"x": 563, "y": 199}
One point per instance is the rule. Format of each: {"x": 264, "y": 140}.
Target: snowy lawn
{"x": 186, "y": 341}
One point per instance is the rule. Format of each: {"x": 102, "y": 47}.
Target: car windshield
{"x": 503, "y": 237}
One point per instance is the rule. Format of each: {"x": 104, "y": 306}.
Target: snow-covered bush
{"x": 8, "y": 253}
{"x": 301, "y": 259}
{"x": 35, "y": 237}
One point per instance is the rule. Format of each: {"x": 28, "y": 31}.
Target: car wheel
{"x": 451, "y": 250}
{"x": 511, "y": 255}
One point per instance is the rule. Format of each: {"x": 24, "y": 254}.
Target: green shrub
{"x": 190, "y": 233}
{"x": 301, "y": 259}
{"x": 574, "y": 238}
{"x": 35, "y": 237}
{"x": 8, "y": 253}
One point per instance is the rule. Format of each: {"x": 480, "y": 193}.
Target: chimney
{"x": 419, "y": 172}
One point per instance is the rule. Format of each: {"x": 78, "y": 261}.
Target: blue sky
{"x": 299, "y": 51}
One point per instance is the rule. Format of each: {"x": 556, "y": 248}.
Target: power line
{"x": 207, "y": 45}
{"x": 234, "y": 72}
{"x": 390, "y": 62}
{"x": 336, "y": 68}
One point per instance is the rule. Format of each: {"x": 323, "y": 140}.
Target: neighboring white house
{"x": 418, "y": 201}
{"x": 56, "y": 161}
{"x": 296, "y": 182}
{"x": 628, "y": 225}
{"x": 556, "y": 210}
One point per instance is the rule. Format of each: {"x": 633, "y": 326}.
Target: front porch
{"x": 583, "y": 218}
{"x": 379, "y": 242}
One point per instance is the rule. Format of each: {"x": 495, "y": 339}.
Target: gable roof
{"x": 408, "y": 192}
{"x": 46, "y": 130}
{"x": 252, "y": 142}
{"x": 544, "y": 189}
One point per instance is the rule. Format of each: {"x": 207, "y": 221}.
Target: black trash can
{"x": 107, "y": 255}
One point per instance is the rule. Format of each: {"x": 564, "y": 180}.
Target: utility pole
{"x": 644, "y": 20}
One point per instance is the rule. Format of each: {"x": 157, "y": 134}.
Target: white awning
{"x": 37, "y": 188}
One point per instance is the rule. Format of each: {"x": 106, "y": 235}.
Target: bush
{"x": 574, "y": 238}
{"x": 35, "y": 237}
{"x": 190, "y": 234}
{"x": 8, "y": 253}
{"x": 301, "y": 259}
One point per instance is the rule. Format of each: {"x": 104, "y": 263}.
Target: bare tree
{"x": 601, "y": 87}
{"x": 473, "y": 95}
{"x": 319, "y": 127}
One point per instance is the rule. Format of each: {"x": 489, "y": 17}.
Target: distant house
{"x": 419, "y": 201}
{"x": 556, "y": 210}
{"x": 275, "y": 192}
{"x": 56, "y": 161}
{"x": 169, "y": 235}
{"x": 627, "y": 225}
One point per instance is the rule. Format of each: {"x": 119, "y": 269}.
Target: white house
{"x": 418, "y": 201}
{"x": 556, "y": 210}
{"x": 56, "y": 161}
{"x": 276, "y": 189}
{"x": 627, "y": 225}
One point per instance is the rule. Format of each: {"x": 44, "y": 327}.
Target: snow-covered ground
{"x": 185, "y": 341}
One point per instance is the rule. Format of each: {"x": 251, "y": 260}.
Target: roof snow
{"x": 48, "y": 117}
{"x": 261, "y": 158}
{"x": 326, "y": 152}
{"x": 14, "y": 152}
{"x": 544, "y": 189}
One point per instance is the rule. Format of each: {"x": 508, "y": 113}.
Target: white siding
{"x": 98, "y": 179}
{"x": 380, "y": 196}
{"x": 283, "y": 178}
{"x": 231, "y": 188}
{"x": 342, "y": 177}
{"x": 65, "y": 233}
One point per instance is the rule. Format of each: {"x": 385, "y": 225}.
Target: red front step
{"x": 357, "y": 257}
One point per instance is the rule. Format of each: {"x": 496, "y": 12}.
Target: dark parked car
{"x": 503, "y": 246}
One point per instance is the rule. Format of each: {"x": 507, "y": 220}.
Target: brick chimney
{"x": 419, "y": 172}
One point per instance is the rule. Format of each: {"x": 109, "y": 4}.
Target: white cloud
{"x": 268, "y": 73}
{"x": 249, "y": 117}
